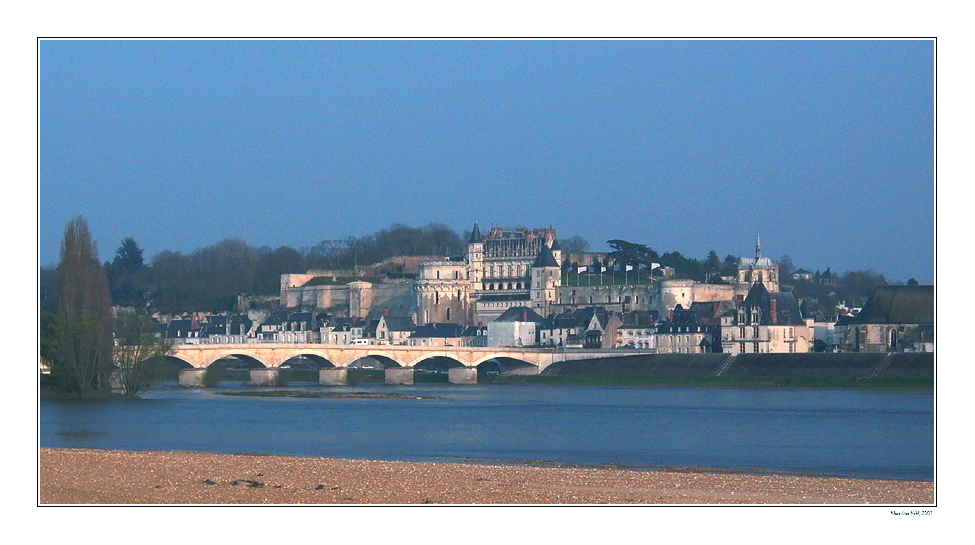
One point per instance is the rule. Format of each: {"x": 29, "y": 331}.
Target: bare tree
{"x": 84, "y": 315}
{"x": 138, "y": 340}
{"x": 574, "y": 244}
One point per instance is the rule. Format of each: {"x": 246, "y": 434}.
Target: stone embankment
{"x": 840, "y": 366}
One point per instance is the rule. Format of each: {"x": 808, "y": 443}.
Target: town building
{"x": 894, "y": 319}
{"x": 517, "y": 326}
{"x": 685, "y": 333}
{"x": 394, "y": 330}
{"x": 765, "y": 322}
{"x": 437, "y": 334}
{"x": 590, "y": 327}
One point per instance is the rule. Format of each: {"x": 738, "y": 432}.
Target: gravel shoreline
{"x": 79, "y": 476}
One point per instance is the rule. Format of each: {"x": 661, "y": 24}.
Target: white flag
{"x": 582, "y": 269}
{"x": 629, "y": 267}
{"x": 654, "y": 265}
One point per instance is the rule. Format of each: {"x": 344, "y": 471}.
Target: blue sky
{"x": 827, "y": 147}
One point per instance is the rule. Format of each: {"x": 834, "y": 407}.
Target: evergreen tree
{"x": 84, "y": 318}
{"x": 127, "y": 274}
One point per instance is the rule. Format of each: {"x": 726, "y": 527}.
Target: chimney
{"x": 385, "y": 312}
{"x": 775, "y": 314}
{"x": 524, "y": 315}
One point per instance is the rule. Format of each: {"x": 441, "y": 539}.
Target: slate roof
{"x": 545, "y": 258}
{"x": 370, "y": 329}
{"x": 898, "y": 305}
{"x": 399, "y": 323}
{"x": 475, "y": 235}
{"x": 711, "y": 311}
{"x": 179, "y": 328}
{"x": 520, "y": 314}
{"x": 277, "y": 317}
{"x": 236, "y": 323}
{"x": 639, "y": 318}
{"x": 561, "y": 321}
{"x": 787, "y": 307}
{"x": 474, "y": 331}
{"x": 683, "y": 321}
{"x": 440, "y": 330}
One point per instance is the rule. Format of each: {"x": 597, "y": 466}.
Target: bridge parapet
{"x": 272, "y": 355}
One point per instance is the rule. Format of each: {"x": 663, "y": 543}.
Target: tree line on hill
{"x": 209, "y": 279}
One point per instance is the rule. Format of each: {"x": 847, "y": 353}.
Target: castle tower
{"x": 546, "y": 278}
{"x": 557, "y": 251}
{"x": 475, "y": 257}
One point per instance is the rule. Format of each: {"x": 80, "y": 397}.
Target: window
{"x": 448, "y": 314}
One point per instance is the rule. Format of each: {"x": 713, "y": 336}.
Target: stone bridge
{"x": 265, "y": 359}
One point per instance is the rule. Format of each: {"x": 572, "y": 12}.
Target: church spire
{"x": 758, "y": 245}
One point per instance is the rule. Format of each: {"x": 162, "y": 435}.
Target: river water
{"x": 824, "y": 432}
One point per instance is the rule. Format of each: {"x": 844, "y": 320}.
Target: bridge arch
{"x": 507, "y": 365}
{"x": 175, "y": 360}
{"x": 383, "y": 359}
{"x": 437, "y": 361}
{"x": 250, "y": 359}
{"x": 503, "y": 356}
{"x": 442, "y": 356}
{"x": 316, "y": 357}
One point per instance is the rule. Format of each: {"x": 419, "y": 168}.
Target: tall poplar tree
{"x": 84, "y": 314}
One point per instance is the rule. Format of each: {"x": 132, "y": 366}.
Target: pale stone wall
{"x": 876, "y": 338}
{"x": 713, "y": 292}
{"x": 352, "y": 299}
{"x": 679, "y": 343}
{"x": 778, "y": 339}
{"x": 620, "y": 298}
{"x": 488, "y": 311}
{"x": 671, "y": 293}
{"x": 443, "y": 293}
{"x": 511, "y": 333}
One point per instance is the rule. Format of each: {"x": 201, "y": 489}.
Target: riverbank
{"x": 811, "y": 383}
{"x": 80, "y": 476}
